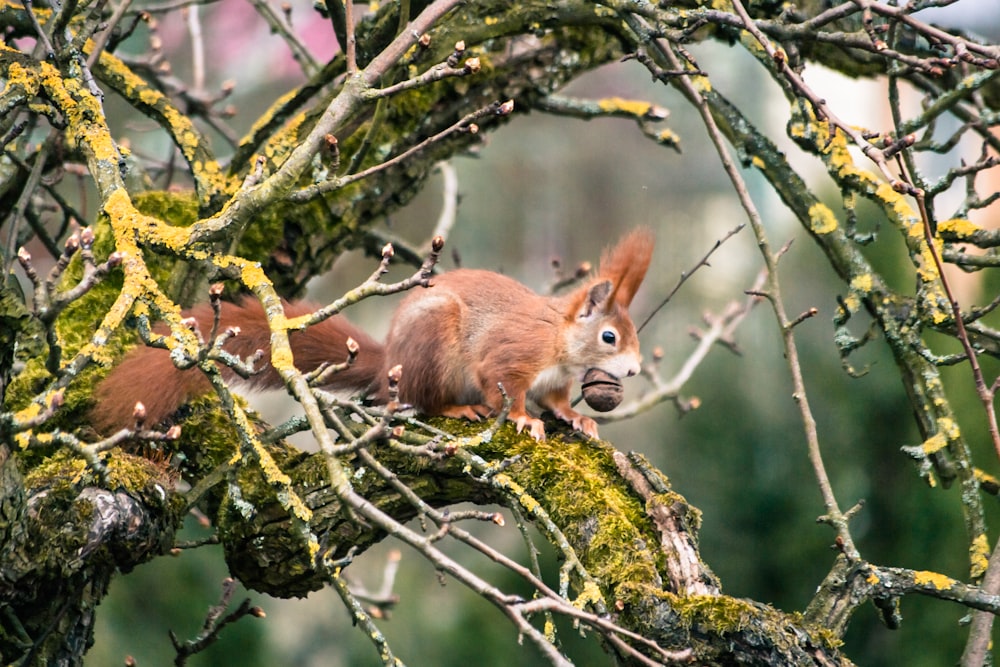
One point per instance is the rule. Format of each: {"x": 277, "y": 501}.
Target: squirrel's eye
{"x": 608, "y": 337}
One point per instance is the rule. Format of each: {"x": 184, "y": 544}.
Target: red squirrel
{"x": 456, "y": 341}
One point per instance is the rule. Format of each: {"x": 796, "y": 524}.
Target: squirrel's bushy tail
{"x": 148, "y": 375}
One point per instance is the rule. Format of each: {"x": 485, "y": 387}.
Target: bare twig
{"x": 466, "y": 124}
{"x": 351, "y": 38}
{"x": 690, "y": 272}
{"x": 214, "y": 623}
{"x": 101, "y": 40}
{"x": 721, "y": 329}
{"x": 299, "y": 51}
{"x": 449, "y": 202}
{"x": 440, "y": 71}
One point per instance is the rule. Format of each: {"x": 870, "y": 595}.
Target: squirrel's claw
{"x": 580, "y": 422}
{"x": 535, "y": 426}
{"x": 585, "y": 425}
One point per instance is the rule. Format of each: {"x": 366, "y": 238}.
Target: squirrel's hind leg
{"x": 470, "y": 412}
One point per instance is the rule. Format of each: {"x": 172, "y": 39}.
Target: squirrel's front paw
{"x": 581, "y": 423}
{"x": 535, "y": 426}
{"x": 585, "y": 425}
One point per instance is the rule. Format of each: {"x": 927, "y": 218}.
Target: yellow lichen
{"x": 821, "y": 219}
{"x": 28, "y": 413}
{"x": 252, "y": 275}
{"x": 898, "y": 207}
{"x": 636, "y": 108}
{"x": 960, "y": 227}
{"x": 979, "y": 556}
{"x": 20, "y": 76}
{"x": 668, "y": 138}
{"x": 150, "y": 96}
{"x": 984, "y": 477}
{"x": 862, "y": 283}
{"x": 549, "y": 629}
{"x": 268, "y": 116}
{"x": 281, "y": 358}
{"x": 751, "y": 44}
{"x": 529, "y": 504}
{"x": 590, "y": 596}
{"x": 937, "y": 581}
{"x": 935, "y": 443}
{"x": 313, "y": 548}
{"x": 948, "y": 426}
{"x": 701, "y": 83}
{"x": 940, "y": 316}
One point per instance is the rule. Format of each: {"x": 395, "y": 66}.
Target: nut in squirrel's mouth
{"x": 601, "y": 390}
{"x": 597, "y": 376}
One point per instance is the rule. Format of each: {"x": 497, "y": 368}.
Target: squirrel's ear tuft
{"x": 626, "y": 263}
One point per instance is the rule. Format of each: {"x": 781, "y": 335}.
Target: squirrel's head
{"x": 603, "y": 334}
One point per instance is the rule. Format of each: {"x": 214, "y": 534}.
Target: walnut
{"x": 602, "y": 391}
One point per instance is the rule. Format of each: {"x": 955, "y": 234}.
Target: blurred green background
{"x": 545, "y": 187}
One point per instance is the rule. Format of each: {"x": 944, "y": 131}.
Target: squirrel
{"x": 457, "y": 341}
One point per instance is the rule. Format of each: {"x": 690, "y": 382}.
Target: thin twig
{"x": 721, "y": 329}
{"x": 43, "y": 38}
{"x": 101, "y": 40}
{"x": 214, "y": 623}
{"x": 980, "y": 629}
{"x": 466, "y": 124}
{"x": 197, "y": 48}
{"x": 449, "y": 201}
{"x": 690, "y": 272}
{"x": 351, "y": 37}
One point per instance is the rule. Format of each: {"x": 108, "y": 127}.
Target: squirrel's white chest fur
{"x": 549, "y": 380}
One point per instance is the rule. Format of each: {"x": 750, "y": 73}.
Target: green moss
{"x": 74, "y": 329}
{"x": 208, "y": 437}
{"x": 177, "y": 208}
{"x": 59, "y": 473}
{"x": 66, "y": 473}
{"x": 77, "y": 324}
{"x": 820, "y": 634}
{"x": 575, "y": 481}
{"x": 284, "y": 141}
{"x": 26, "y": 385}
{"x": 135, "y": 473}
{"x": 413, "y": 106}
{"x": 718, "y": 613}
{"x": 305, "y": 230}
